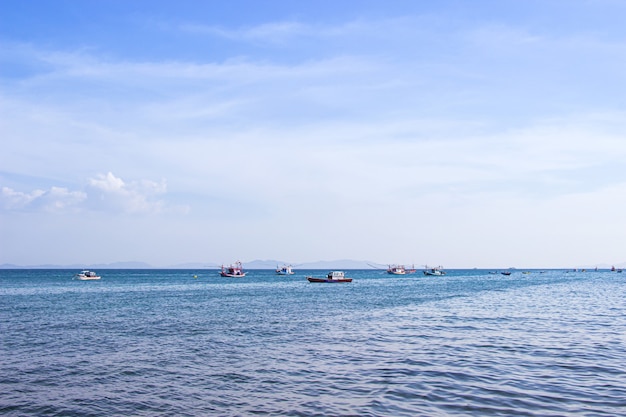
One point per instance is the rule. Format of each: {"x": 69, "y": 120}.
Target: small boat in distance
{"x": 506, "y": 272}
{"x": 400, "y": 270}
{"x": 233, "y": 271}
{"x": 87, "y": 275}
{"x": 284, "y": 270}
{"x": 396, "y": 270}
{"x": 332, "y": 277}
{"x": 437, "y": 271}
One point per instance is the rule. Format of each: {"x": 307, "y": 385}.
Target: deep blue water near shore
{"x": 163, "y": 343}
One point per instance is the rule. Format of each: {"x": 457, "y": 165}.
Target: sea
{"x": 191, "y": 343}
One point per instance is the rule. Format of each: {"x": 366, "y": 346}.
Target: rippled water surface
{"x": 163, "y": 343}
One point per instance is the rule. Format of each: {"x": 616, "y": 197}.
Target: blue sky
{"x": 468, "y": 134}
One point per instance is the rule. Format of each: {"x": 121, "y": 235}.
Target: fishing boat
{"x": 437, "y": 271}
{"x": 87, "y": 275}
{"x": 506, "y": 273}
{"x": 285, "y": 270}
{"x": 233, "y": 271}
{"x": 396, "y": 270}
{"x": 332, "y": 277}
{"x": 400, "y": 270}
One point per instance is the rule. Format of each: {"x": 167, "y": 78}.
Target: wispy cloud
{"x": 277, "y": 32}
{"x": 56, "y": 199}
{"x": 105, "y": 193}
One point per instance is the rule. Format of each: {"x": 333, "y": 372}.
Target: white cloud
{"x": 104, "y": 193}
{"x": 16, "y": 200}
{"x": 361, "y": 34}
{"x": 110, "y": 193}
{"x": 57, "y": 199}
{"x": 275, "y": 32}
{"x": 107, "y": 183}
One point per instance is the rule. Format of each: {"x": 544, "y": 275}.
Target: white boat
{"x": 437, "y": 271}
{"x": 284, "y": 270}
{"x": 233, "y": 271}
{"x": 87, "y": 275}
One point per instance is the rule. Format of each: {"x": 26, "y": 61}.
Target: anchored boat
{"x": 400, "y": 270}
{"x": 233, "y": 271}
{"x": 87, "y": 275}
{"x": 434, "y": 271}
{"x": 332, "y": 277}
{"x": 284, "y": 270}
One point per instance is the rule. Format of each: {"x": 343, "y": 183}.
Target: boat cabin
{"x": 336, "y": 275}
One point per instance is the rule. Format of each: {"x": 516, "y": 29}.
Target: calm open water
{"x": 163, "y": 343}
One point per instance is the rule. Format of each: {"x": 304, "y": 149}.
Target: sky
{"x": 484, "y": 134}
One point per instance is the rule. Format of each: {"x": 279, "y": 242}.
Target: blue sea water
{"x": 163, "y": 343}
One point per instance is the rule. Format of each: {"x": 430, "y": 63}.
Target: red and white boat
{"x": 400, "y": 270}
{"x": 396, "y": 270}
{"x": 233, "y": 271}
{"x": 332, "y": 277}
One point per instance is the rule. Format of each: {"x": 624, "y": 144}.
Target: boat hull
{"x": 326, "y": 280}
{"x": 87, "y": 278}
{"x": 435, "y": 272}
{"x": 227, "y": 275}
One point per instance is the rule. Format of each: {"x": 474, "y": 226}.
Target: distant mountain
{"x": 114, "y": 265}
{"x": 336, "y": 264}
{"x": 272, "y": 264}
{"x": 122, "y": 265}
{"x": 44, "y": 266}
{"x": 264, "y": 264}
{"x": 340, "y": 264}
{"x": 193, "y": 265}
{"x": 255, "y": 264}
